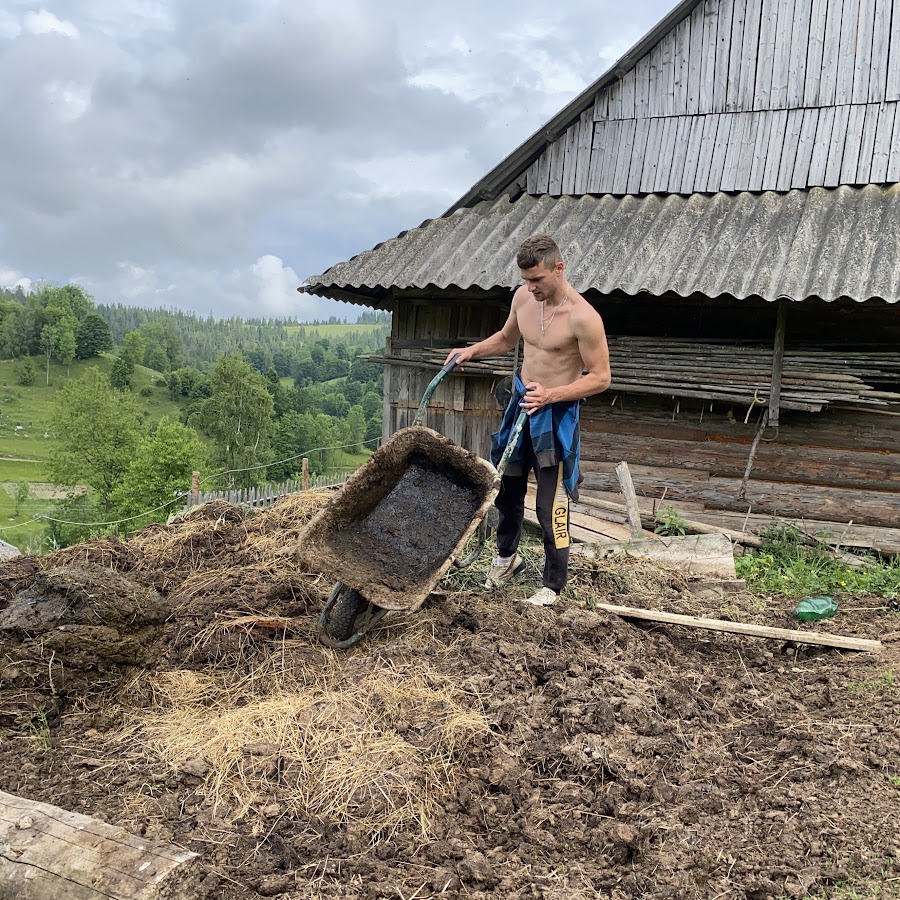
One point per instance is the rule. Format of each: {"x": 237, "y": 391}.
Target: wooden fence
{"x": 265, "y": 495}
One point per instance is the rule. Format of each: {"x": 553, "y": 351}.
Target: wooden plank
{"x": 789, "y": 149}
{"x": 557, "y": 151}
{"x": 593, "y": 182}
{"x": 723, "y": 55}
{"x": 765, "y": 59}
{"x": 695, "y": 62}
{"x": 707, "y": 147}
{"x": 778, "y": 122}
{"x": 692, "y": 156}
{"x": 610, "y": 148}
{"x": 882, "y": 150}
{"x": 667, "y": 74}
{"x": 803, "y": 158}
{"x": 708, "y": 64}
{"x": 881, "y": 45}
{"x": 774, "y": 411}
{"x": 819, "y": 161}
{"x": 642, "y": 87}
{"x": 867, "y": 145}
{"x": 760, "y": 631}
{"x": 543, "y": 180}
{"x": 615, "y": 100}
{"x": 760, "y": 149}
{"x": 782, "y": 58}
{"x": 570, "y": 159}
{"x": 815, "y": 47}
{"x": 601, "y": 106}
{"x": 651, "y": 155}
{"x": 800, "y": 40}
{"x": 628, "y": 89}
{"x": 657, "y": 98}
{"x": 862, "y": 63}
{"x": 853, "y": 145}
{"x": 583, "y": 160}
{"x": 847, "y": 53}
{"x": 734, "y": 149}
{"x": 664, "y": 166}
{"x": 50, "y": 853}
{"x": 744, "y": 162}
{"x": 737, "y": 59}
{"x": 893, "y": 170}
{"x": 836, "y": 148}
{"x": 623, "y": 156}
{"x": 638, "y": 154}
{"x": 680, "y": 66}
{"x": 749, "y": 50}
{"x": 631, "y": 504}
{"x": 892, "y": 87}
{"x": 717, "y": 163}
{"x": 679, "y": 153}
{"x": 831, "y": 49}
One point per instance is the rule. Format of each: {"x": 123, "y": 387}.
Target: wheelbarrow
{"x": 398, "y": 524}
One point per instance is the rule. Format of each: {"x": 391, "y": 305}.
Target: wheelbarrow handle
{"x": 448, "y": 367}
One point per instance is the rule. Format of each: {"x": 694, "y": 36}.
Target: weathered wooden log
{"x": 48, "y": 853}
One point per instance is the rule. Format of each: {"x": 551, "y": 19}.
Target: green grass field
{"x": 334, "y": 331}
{"x": 26, "y": 414}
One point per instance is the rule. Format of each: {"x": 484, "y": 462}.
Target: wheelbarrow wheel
{"x": 347, "y": 616}
{"x": 342, "y": 622}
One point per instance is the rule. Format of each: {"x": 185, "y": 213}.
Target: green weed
{"x": 788, "y": 564}
{"x": 39, "y": 729}
{"x": 669, "y": 522}
{"x": 885, "y": 683}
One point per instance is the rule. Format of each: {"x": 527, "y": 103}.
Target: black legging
{"x": 552, "y": 512}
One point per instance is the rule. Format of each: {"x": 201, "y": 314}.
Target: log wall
{"x": 834, "y": 465}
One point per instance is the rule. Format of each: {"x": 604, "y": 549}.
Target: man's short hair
{"x": 539, "y": 248}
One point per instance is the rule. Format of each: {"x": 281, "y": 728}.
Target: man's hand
{"x": 462, "y": 354}
{"x": 536, "y": 396}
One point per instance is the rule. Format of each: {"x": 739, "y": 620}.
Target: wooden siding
{"x": 835, "y": 465}
{"x": 839, "y": 465}
{"x": 791, "y": 93}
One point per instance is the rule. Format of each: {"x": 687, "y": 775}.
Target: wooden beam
{"x": 631, "y": 503}
{"x": 778, "y": 362}
{"x": 47, "y": 853}
{"x": 760, "y": 631}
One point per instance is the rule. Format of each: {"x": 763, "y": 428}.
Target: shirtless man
{"x": 566, "y": 359}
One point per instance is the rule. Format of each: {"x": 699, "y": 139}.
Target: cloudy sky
{"x": 210, "y": 155}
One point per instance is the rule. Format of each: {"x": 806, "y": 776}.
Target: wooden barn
{"x": 728, "y": 197}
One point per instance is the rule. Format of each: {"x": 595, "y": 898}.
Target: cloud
{"x": 202, "y": 154}
{"x": 44, "y": 22}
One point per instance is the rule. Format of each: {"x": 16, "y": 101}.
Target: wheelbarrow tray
{"x": 395, "y": 527}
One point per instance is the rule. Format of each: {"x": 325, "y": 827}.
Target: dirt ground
{"x": 479, "y": 748}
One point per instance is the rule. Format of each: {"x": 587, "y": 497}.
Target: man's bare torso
{"x": 552, "y": 356}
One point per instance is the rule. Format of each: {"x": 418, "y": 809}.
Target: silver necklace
{"x": 555, "y": 311}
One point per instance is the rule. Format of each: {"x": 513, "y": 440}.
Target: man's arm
{"x": 499, "y": 342}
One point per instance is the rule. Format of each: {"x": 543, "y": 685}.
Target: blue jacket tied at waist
{"x": 554, "y": 437}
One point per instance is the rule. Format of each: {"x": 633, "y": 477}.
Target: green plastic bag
{"x": 812, "y": 609}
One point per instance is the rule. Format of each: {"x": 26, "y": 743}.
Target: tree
{"x": 160, "y": 472}
{"x": 48, "y": 345}
{"x": 26, "y": 373}
{"x": 93, "y": 336}
{"x": 238, "y": 418}
{"x": 96, "y": 431}
{"x": 120, "y": 374}
{"x": 23, "y": 492}
{"x": 65, "y": 345}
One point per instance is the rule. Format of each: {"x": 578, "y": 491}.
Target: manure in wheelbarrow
{"x": 415, "y": 527}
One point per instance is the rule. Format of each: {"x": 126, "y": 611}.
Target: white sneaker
{"x": 544, "y": 597}
{"x": 503, "y": 570}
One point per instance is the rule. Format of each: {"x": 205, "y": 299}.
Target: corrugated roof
{"x": 827, "y": 243}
